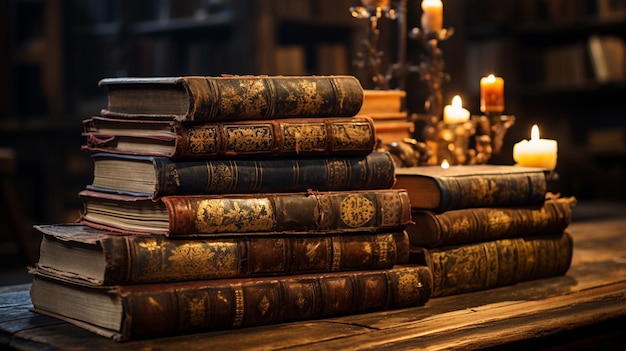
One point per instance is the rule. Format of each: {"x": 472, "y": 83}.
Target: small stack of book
{"x": 224, "y": 202}
{"x": 483, "y": 226}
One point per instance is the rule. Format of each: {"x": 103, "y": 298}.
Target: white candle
{"x": 432, "y": 15}
{"x": 536, "y": 152}
{"x": 455, "y": 113}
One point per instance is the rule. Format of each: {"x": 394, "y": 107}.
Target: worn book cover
{"x": 262, "y": 138}
{"x": 441, "y": 189}
{"x": 101, "y": 257}
{"x": 431, "y": 229}
{"x": 157, "y": 310}
{"x": 228, "y": 98}
{"x": 479, "y": 266}
{"x": 154, "y": 176}
{"x": 279, "y": 213}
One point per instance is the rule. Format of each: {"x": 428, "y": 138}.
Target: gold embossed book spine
{"x": 261, "y": 138}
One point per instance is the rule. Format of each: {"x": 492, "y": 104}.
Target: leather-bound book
{"x": 157, "y": 310}
{"x": 100, "y": 257}
{"x": 442, "y": 189}
{"x": 469, "y": 225}
{"x": 254, "y": 138}
{"x": 229, "y": 98}
{"x": 281, "y": 213}
{"x": 154, "y": 176}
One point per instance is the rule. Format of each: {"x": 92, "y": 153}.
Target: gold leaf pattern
{"x": 221, "y": 176}
{"x": 392, "y": 209}
{"x": 349, "y": 136}
{"x": 356, "y": 210}
{"x": 264, "y": 305}
{"x": 247, "y": 98}
{"x": 337, "y": 173}
{"x": 202, "y": 140}
{"x": 408, "y": 288}
{"x": 235, "y": 215}
{"x": 304, "y": 137}
{"x": 249, "y": 138}
{"x": 196, "y": 307}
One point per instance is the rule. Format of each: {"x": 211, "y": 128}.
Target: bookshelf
{"x": 59, "y": 50}
{"x": 543, "y": 48}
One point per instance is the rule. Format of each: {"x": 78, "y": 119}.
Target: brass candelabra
{"x": 434, "y": 140}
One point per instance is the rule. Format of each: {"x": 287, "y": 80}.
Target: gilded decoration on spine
{"x": 202, "y": 140}
{"x": 384, "y": 247}
{"x": 460, "y": 225}
{"x": 392, "y": 209}
{"x": 337, "y": 173}
{"x": 304, "y": 137}
{"x": 408, "y": 288}
{"x": 249, "y": 138}
{"x": 323, "y": 215}
{"x": 238, "y": 216}
{"x": 239, "y": 305}
{"x": 196, "y": 308}
{"x": 349, "y": 136}
{"x": 499, "y": 221}
{"x": 221, "y": 177}
{"x": 264, "y": 305}
{"x": 202, "y": 258}
{"x": 483, "y": 188}
{"x": 306, "y": 96}
{"x": 172, "y": 180}
{"x": 356, "y": 210}
{"x": 336, "y": 263}
{"x": 243, "y": 97}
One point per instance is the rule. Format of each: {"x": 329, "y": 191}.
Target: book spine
{"x": 278, "y": 137}
{"x": 162, "y": 311}
{"x": 432, "y": 229}
{"x": 372, "y": 171}
{"x": 289, "y": 137}
{"x": 480, "y": 266}
{"x": 493, "y": 191}
{"x": 138, "y": 259}
{"x": 348, "y": 211}
{"x": 258, "y": 97}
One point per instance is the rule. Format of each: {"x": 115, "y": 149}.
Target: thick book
{"x": 155, "y": 176}
{"x": 441, "y": 189}
{"x": 277, "y": 137}
{"x": 431, "y": 229}
{"x": 206, "y": 98}
{"x": 480, "y": 266}
{"x": 157, "y": 310}
{"x": 286, "y": 213}
{"x": 99, "y": 257}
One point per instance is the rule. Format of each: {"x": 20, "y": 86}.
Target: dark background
{"x": 54, "y": 52}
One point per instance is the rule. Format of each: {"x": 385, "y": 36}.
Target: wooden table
{"x": 582, "y": 310}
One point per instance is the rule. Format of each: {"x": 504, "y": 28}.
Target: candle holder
{"x": 432, "y": 140}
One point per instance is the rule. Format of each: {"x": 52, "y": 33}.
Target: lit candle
{"x": 536, "y": 152}
{"x": 432, "y": 15}
{"x": 455, "y": 113}
{"x": 491, "y": 94}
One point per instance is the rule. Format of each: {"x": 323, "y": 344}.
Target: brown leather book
{"x": 229, "y": 98}
{"x": 277, "y": 137}
{"x": 442, "y": 189}
{"x": 431, "y": 229}
{"x": 279, "y": 213}
{"x": 480, "y": 266}
{"x": 100, "y": 257}
{"x": 158, "y": 310}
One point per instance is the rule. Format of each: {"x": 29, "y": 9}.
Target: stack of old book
{"x": 223, "y": 202}
{"x": 483, "y": 226}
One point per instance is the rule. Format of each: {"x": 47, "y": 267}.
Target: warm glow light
{"x": 536, "y": 152}
{"x": 534, "y": 133}
{"x": 455, "y": 113}
{"x": 445, "y": 164}
{"x": 491, "y": 78}
{"x": 457, "y": 102}
{"x": 492, "y": 94}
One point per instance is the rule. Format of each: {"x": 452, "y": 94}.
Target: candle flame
{"x": 491, "y": 78}
{"x": 457, "y": 102}
{"x": 445, "y": 164}
{"x": 534, "y": 133}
